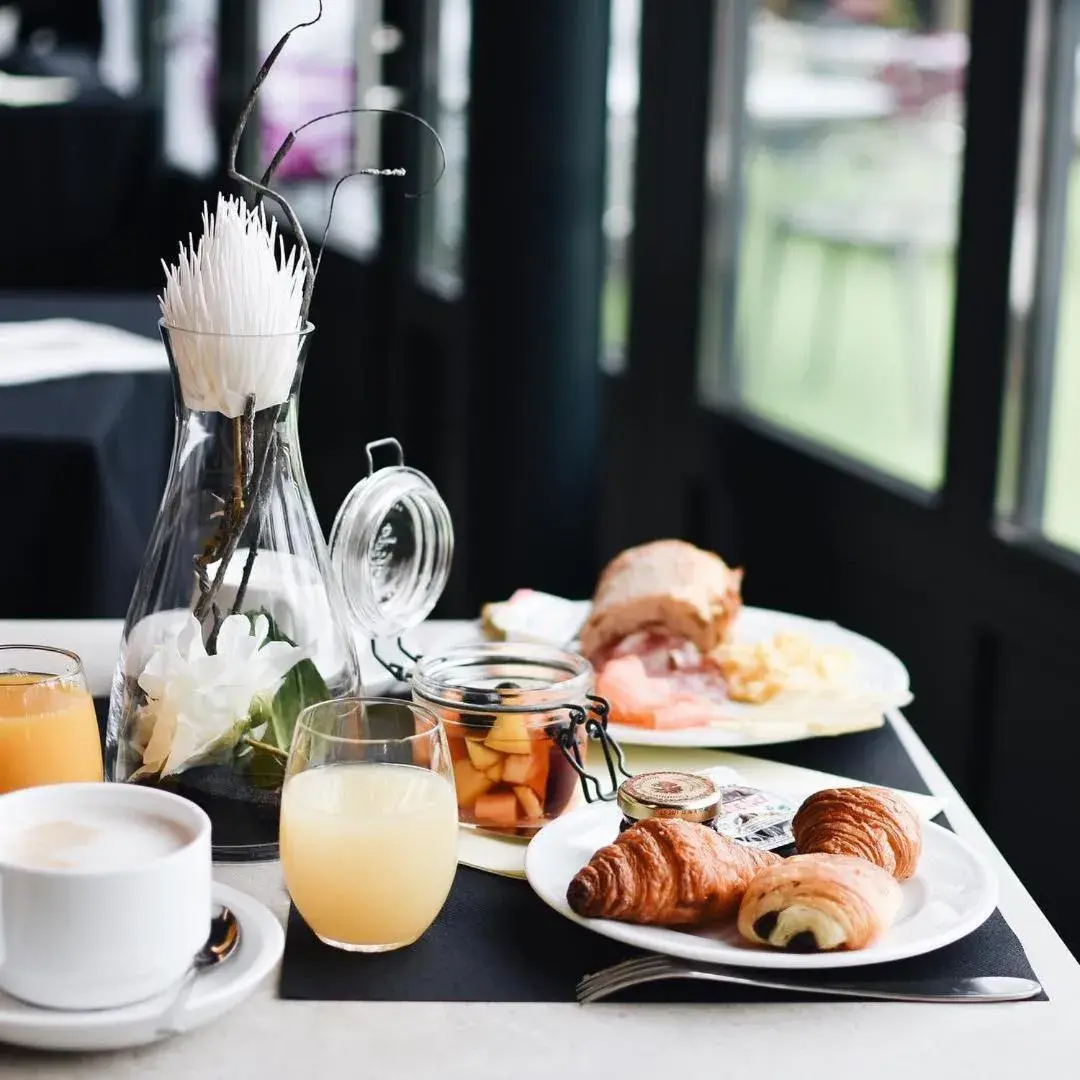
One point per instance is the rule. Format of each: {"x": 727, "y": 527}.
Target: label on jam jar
{"x": 690, "y": 796}
{"x": 755, "y": 817}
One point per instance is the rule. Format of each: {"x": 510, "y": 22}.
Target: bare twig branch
{"x": 264, "y": 189}
{"x": 290, "y": 139}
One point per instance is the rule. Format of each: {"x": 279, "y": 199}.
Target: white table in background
{"x": 266, "y": 1038}
{"x": 793, "y": 99}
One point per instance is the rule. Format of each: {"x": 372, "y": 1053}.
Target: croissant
{"x": 874, "y": 823}
{"x": 813, "y": 903}
{"x": 669, "y": 586}
{"x": 666, "y": 872}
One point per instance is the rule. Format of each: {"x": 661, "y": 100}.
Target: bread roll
{"x": 668, "y": 586}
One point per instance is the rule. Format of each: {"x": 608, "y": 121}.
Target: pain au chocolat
{"x": 871, "y": 823}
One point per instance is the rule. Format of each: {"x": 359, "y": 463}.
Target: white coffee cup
{"x": 104, "y": 893}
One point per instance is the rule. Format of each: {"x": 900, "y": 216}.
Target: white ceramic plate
{"x": 213, "y": 994}
{"x": 877, "y": 671}
{"x": 952, "y": 893}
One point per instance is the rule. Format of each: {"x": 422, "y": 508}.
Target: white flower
{"x": 198, "y": 703}
{"x": 232, "y": 304}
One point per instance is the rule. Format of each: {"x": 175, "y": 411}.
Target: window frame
{"x": 721, "y": 476}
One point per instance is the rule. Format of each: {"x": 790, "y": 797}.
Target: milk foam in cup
{"x": 105, "y": 893}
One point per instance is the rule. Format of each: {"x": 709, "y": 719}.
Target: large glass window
{"x": 624, "y": 65}
{"x": 834, "y": 179}
{"x": 1041, "y": 443}
{"x": 328, "y": 67}
{"x": 446, "y": 107}
{"x": 190, "y": 83}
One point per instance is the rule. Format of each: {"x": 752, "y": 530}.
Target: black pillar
{"x": 238, "y": 63}
{"x": 534, "y": 275}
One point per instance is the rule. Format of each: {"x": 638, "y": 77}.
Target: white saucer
{"x": 213, "y": 994}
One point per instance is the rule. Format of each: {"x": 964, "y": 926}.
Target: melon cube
{"x": 529, "y": 802}
{"x": 481, "y": 756}
{"x": 509, "y": 735}
{"x": 499, "y": 810}
{"x": 471, "y": 784}
{"x": 539, "y": 766}
{"x": 516, "y": 767}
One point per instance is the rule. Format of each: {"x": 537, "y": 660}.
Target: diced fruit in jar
{"x": 495, "y": 773}
{"x": 482, "y": 757}
{"x": 471, "y": 784}
{"x": 516, "y": 767}
{"x": 458, "y": 750}
{"x": 537, "y": 777}
{"x": 498, "y": 809}
{"x": 529, "y": 802}
{"x": 509, "y": 735}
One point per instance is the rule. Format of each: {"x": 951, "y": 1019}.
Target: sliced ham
{"x": 679, "y": 699}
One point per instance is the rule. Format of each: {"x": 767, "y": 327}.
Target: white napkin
{"x": 506, "y": 856}
{"x": 59, "y": 348}
{"x": 37, "y": 89}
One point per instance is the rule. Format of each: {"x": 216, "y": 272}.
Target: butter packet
{"x": 535, "y": 616}
{"x": 755, "y": 817}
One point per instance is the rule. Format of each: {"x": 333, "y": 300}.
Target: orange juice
{"x": 48, "y": 732}
{"x": 369, "y": 851}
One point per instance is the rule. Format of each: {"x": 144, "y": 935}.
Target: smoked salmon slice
{"x": 639, "y": 699}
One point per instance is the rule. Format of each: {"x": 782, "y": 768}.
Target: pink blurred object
{"x": 298, "y": 92}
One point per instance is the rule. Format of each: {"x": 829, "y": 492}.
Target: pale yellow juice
{"x": 48, "y": 732}
{"x": 369, "y": 850}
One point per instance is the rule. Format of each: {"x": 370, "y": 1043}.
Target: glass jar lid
{"x": 689, "y": 796}
{"x": 392, "y": 544}
{"x": 520, "y": 677}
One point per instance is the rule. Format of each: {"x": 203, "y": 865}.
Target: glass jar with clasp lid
{"x": 517, "y": 719}
{"x": 517, "y": 716}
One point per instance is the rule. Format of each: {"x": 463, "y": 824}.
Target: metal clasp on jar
{"x": 594, "y": 721}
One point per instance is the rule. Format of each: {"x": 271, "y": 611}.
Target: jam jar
{"x": 513, "y": 715}
{"x": 689, "y": 796}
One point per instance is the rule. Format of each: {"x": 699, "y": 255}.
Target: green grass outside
{"x": 863, "y": 403}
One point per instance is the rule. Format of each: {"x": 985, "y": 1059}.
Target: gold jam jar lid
{"x": 689, "y": 796}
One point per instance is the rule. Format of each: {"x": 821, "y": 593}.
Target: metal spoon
{"x": 222, "y": 942}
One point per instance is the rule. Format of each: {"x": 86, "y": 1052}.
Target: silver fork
{"x": 646, "y": 969}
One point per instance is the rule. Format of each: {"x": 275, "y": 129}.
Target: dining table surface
{"x": 268, "y": 1037}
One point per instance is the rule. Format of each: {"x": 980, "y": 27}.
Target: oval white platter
{"x": 952, "y": 893}
{"x": 877, "y": 672}
{"x": 212, "y": 995}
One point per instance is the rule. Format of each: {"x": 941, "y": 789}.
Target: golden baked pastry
{"x": 667, "y": 585}
{"x": 817, "y": 903}
{"x": 871, "y": 822}
{"x": 666, "y": 872}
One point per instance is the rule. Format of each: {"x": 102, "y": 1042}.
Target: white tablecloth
{"x": 267, "y": 1038}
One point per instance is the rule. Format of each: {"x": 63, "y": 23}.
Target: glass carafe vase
{"x": 237, "y": 621}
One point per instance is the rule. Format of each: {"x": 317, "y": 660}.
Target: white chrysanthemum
{"x": 198, "y": 703}
{"x": 239, "y": 298}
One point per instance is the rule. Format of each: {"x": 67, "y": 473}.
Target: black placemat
{"x": 497, "y": 941}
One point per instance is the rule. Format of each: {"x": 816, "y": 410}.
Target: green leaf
{"x": 301, "y": 687}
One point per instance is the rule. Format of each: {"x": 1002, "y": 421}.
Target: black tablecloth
{"x": 496, "y": 941}
{"x": 83, "y": 463}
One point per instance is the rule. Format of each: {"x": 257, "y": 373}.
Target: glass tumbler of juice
{"x": 48, "y": 728}
{"x": 368, "y": 822}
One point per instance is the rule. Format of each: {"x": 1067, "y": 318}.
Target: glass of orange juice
{"x": 368, "y": 822}
{"x": 48, "y": 728}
